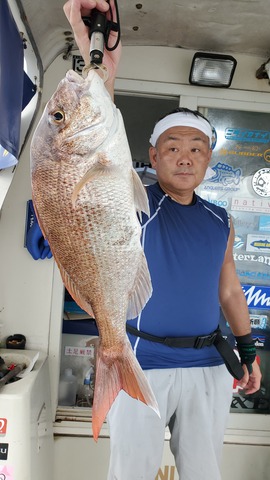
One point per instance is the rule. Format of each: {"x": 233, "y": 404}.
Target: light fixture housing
{"x": 212, "y": 70}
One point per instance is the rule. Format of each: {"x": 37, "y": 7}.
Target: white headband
{"x": 181, "y": 119}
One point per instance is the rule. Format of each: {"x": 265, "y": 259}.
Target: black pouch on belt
{"x": 229, "y": 356}
{"x": 223, "y": 347}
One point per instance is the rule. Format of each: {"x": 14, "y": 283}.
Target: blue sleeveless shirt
{"x": 184, "y": 246}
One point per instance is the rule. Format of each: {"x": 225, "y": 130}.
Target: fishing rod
{"x": 100, "y": 28}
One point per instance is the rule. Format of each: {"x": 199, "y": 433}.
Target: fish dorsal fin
{"x": 102, "y": 166}
{"x": 142, "y": 290}
{"x": 140, "y": 195}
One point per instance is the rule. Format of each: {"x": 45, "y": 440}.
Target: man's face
{"x": 180, "y": 158}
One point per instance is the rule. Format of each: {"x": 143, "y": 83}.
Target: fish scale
{"x": 86, "y": 196}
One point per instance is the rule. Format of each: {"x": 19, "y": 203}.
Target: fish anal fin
{"x": 140, "y": 195}
{"x": 38, "y": 219}
{"x": 121, "y": 372}
{"x": 142, "y": 290}
{"x": 74, "y": 292}
{"x": 101, "y": 166}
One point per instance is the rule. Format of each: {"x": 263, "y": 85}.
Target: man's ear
{"x": 210, "y": 156}
{"x": 153, "y": 156}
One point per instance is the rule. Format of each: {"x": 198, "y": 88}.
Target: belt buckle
{"x": 200, "y": 341}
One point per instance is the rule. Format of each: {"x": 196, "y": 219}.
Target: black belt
{"x": 215, "y": 338}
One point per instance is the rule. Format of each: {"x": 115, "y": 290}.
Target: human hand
{"x": 74, "y": 10}
{"x": 251, "y": 382}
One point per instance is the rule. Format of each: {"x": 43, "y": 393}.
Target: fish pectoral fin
{"x": 140, "y": 195}
{"x": 142, "y": 290}
{"x": 101, "y": 167}
{"x": 115, "y": 373}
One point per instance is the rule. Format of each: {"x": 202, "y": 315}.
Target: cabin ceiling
{"x": 227, "y": 26}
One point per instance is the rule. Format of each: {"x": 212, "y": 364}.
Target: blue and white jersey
{"x": 184, "y": 247}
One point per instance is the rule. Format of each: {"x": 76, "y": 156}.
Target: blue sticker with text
{"x": 244, "y": 135}
{"x": 257, "y": 296}
{"x": 264, "y": 223}
{"x": 253, "y": 274}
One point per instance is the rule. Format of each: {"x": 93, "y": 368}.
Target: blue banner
{"x": 11, "y": 86}
{"x": 257, "y": 296}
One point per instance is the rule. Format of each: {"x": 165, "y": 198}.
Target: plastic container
{"x": 87, "y": 389}
{"x": 67, "y": 388}
{"x": 16, "y": 341}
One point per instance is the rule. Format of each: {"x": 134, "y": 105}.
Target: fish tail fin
{"x": 114, "y": 373}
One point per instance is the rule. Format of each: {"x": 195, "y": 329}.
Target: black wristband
{"x": 244, "y": 339}
{"x": 247, "y": 350}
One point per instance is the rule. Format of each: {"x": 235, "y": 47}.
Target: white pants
{"x": 195, "y": 403}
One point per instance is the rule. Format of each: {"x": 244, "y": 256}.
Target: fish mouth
{"x": 74, "y": 77}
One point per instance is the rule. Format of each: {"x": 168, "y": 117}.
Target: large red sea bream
{"x": 86, "y": 195}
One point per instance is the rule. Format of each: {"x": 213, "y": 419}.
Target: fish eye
{"x": 58, "y": 116}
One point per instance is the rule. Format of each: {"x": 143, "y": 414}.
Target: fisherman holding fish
{"x": 188, "y": 244}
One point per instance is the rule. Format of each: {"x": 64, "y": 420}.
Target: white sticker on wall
{"x": 258, "y": 243}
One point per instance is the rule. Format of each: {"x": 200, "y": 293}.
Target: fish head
{"x": 76, "y": 121}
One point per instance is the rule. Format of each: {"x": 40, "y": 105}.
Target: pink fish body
{"x": 86, "y": 195}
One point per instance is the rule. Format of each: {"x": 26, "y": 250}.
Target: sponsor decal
{"x": 219, "y": 202}
{"x": 245, "y": 403}
{"x": 257, "y": 243}
{"x": 264, "y": 223}
{"x": 257, "y": 296}
{"x": 6, "y": 472}
{"x": 224, "y": 152}
{"x": 250, "y": 205}
{"x": 259, "y": 341}
{"x": 253, "y": 275}
{"x": 215, "y": 188}
{"x": 226, "y": 175}
{"x": 3, "y": 426}
{"x": 3, "y": 451}
{"x": 245, "y": 257}
{"x": 238, "y": 241}
{"x": 261, "y": 182}
{"x": 266, "y": 155}
{"x": 214, "y": 138}
{"x": 258, "y": 321}
{"x": 245, "y": 135}
{"x": 246, "y": 223}
{"x": 167, "y": 472}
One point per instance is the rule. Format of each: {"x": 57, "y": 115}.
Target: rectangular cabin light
{"x": 212, "y": 70}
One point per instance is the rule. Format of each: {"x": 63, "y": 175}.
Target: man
{"x": 189, "y": 248}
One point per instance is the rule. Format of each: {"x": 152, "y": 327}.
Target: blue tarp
{"x": 16, "y": 88}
